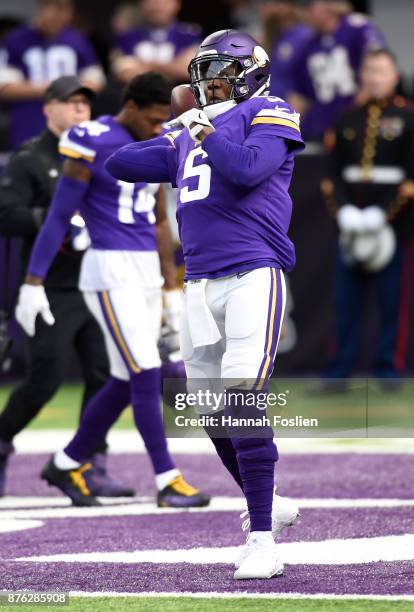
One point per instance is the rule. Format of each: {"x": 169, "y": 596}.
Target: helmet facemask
{"x": 217, "y": 78}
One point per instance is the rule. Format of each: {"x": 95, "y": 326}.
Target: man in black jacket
{"x": 26, "y": 189}
{"x": 370, "y": 190}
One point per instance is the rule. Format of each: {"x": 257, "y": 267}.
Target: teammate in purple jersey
{"x": 160, "y": 43}
{"x": 232, "y": 165}
{"x": 121, "y": 278}
{"x": 326, "y": 71}
{"x": 285, "y": 35}
{"x": 35, "y": 55}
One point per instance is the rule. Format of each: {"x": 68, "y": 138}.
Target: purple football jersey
{"x": 283, "y": 57}
{"x": 225, "y": 228}
{"x": 118, "y": 215}
{"x": 30, "y": 55}
{"x": 326, "y": 71}
{"x": 158, "y": 45}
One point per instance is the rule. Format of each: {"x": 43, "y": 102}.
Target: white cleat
{"x": 285, "y": 513}
{"x": 260, "y": 559}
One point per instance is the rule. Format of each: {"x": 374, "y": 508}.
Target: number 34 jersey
{"x": 119, "y": 216}
{"x": 227, "y": 228}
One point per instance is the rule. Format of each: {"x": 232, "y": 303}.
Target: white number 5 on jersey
{"x": 203, "y": 172}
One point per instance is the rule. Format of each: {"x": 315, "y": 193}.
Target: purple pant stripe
{"x": 269, "y": 313}
{"x": 274, "y": 316}
{"x": 278, "y": 316}
{"x": 116, "y": 333}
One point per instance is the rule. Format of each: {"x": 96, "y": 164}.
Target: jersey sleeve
{"x": 89, "y": 68}
{"x": 124, "y": 43}
{"x": 79, "y": 142}
{"x": 190, "y": 35}
{"x": 275, "y": 117}
{"x": 369, "y": 35}
{"x": 11, "y": 68}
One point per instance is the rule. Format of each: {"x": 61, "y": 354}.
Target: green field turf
{"x": 62, "y": 411}
{"x": 189, "y": 604}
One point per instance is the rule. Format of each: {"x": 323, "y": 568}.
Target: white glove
{"x": 172, "y": 309}
{"x": 350, "y": 219}
{"x": 196, "y": 118}
{"x": 32, "y": 301}
{"x": 374, "y": 219}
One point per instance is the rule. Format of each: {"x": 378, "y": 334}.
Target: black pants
{"x": 48, "y": 355}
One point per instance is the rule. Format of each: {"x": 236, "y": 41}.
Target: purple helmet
{"x": 233, "y": 57}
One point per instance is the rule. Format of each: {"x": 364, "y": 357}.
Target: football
{"x": 182, "y": 99}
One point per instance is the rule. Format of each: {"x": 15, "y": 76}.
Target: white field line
{"x": 49, "y": 441}
{"x": 14, "y": 501}
{"x": 9, "y": 507}
{"x": 327, "y": 552}
{"x": 8, "y": 525}
{"x": 242, "y": 595}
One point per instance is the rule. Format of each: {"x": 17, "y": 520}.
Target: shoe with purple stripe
{"x": 179, "y": 494}
{"x": 101, "y": 484}
{"x": 72, "y": 483}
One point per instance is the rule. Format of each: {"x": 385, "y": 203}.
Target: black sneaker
{"x": 101, "y": 484}
{"x": 71, "y": 482}
{"x": 179, "y": 494}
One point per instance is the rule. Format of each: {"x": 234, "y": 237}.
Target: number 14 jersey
{"x": 119, "y": 216}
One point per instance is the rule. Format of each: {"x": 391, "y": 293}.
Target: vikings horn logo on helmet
{"x": 232, "y": 57}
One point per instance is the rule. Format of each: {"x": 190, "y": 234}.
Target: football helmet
{"x": 230, "y": 66}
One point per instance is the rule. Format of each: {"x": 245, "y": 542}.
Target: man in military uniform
{"x": 26, "y": 190}
{"x": 369, "y": 190}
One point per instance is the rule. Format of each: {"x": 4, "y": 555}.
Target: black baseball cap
{"x": 64, "y": 87}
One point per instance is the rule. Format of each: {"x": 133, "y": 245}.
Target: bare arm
{"x": 165, "y": 242}
{"x": 125, "y": 67}
{"x": 22, "y": 90}
{"x": 177, "y": 69}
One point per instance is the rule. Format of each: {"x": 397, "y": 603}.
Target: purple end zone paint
{"x": 315, "y": 475}
{"x": 304, "y": 476}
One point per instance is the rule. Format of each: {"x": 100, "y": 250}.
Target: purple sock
{"x": 225, "y": 450}
{"x": 256, "y": 457}
{"x": 99, "y": 415}
{"x": 146, "y": 404}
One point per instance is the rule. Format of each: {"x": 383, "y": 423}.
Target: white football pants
{"x": 130, "y": 319}
{"x": 248, "y": 309}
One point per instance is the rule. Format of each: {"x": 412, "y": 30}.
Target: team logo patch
{"x": 260, "y": 56}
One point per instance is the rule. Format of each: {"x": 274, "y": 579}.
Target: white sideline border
{"x": 39, "y": 441}
{"x": 242, "y": 595}
{"x": 60, "y": 507}
{"x": 332, "y": 552}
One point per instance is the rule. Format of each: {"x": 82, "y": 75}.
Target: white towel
{"x": 201, "y": 323}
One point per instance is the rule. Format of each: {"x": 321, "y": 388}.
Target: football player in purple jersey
{"x": 37, "y": 54}
{"x": 130, "y": 259}
{"x": 232, "y": 165}
{"x": 326, "y": 71}
{"x": 286, "y": 35}
{"x": 160, "y": 43}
